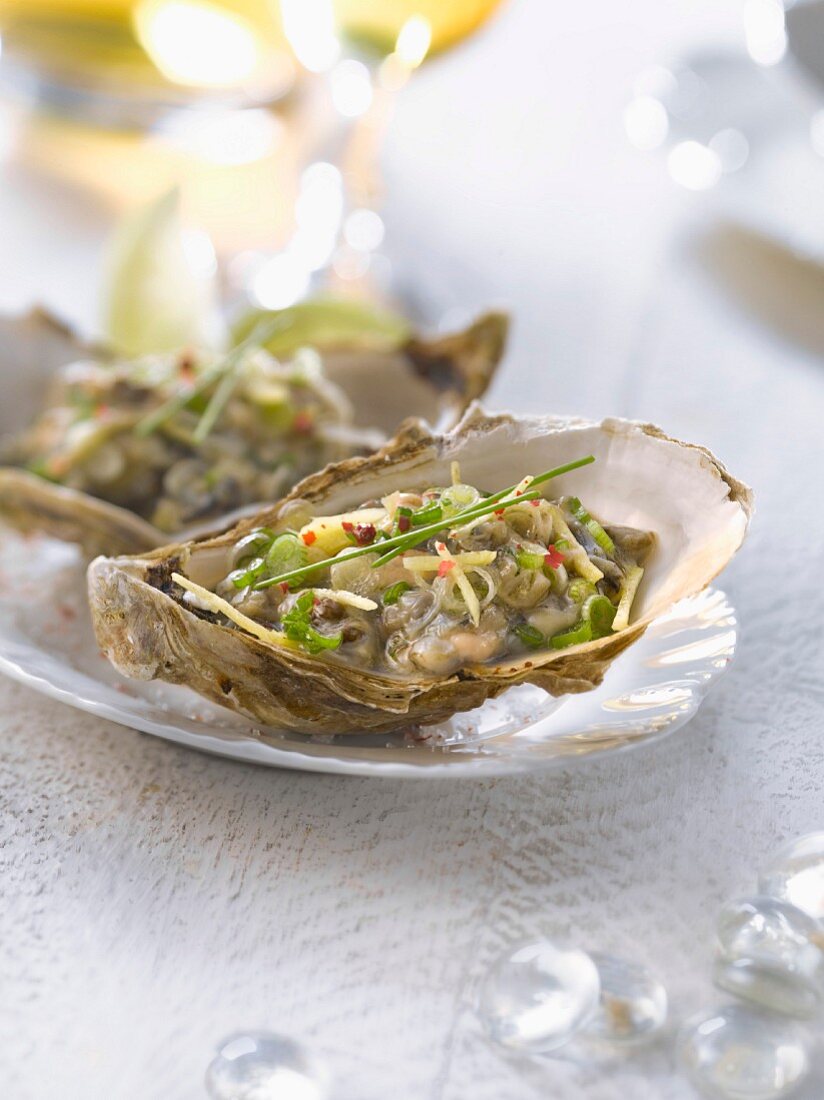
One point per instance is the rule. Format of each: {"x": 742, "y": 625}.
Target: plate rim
{"x": 428, "y": 761}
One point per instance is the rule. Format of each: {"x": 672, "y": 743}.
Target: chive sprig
{"x": 224, "y": 369}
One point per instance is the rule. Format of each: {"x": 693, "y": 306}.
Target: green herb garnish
{"x": 217, "y": 403}
{"x": 394, "y": 593}
{"x": 457, "y": 498}
{"x": 581, "y": 632}
{"x": 494, "y": 503}
{"x": 286, "y": 553}
{"x": 253, "y": 545}
{"x": 227, "y": 364}
{"x": 530, "y": 635}
{"x": 580, "y": 590}
{"x": 298, "y": 628}
{"x": 528, "y": 560}
{"x": 591, "y": 524}
{"x": 599, "y": 613}
{"x": 244, "y": 576}
{"x": 399, "y": 543}
{"x": 430, "y": 513}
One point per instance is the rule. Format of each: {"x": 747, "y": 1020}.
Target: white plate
{"x": 657, "y": 685}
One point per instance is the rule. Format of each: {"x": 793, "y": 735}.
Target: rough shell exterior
{"x": 641, "y": 478}
{"x": 432, "y": 379}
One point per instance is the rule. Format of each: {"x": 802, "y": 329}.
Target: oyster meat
{"x": 123, "y": 454}
{"x": 402, "y": 587}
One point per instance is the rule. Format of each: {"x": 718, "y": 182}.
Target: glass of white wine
{"x": 125, "y": 63}
{"x": 367, "y": 50}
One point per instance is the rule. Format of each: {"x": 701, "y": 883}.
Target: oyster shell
{"x": 433, "y": 379}
{"x": 641, "y": 478}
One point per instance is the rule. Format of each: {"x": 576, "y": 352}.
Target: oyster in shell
{"x": 86, "y": 473}
{"x": 645, "y": 487}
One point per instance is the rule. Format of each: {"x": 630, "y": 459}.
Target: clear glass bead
{"x": 633, "y": 1003}
{"x": 796, "y": 874}
{"x": 740, "y": 1053}
{"x": 768, "y": 952}
{"x": 258, "y": 1065}
{"x": 537, "y": 996}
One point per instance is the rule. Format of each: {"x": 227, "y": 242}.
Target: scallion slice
{"x": 580, "y": 590}
{"x": 247, "y": 574}
{"x": 430, "y": 513}
{"x": 397, "y": 544}
{"x": 286, "y": 554}
{"x": 457, "y": 498}
{"x": 530, "y": 635}
{"x": 394, "y": 593}
{"x": 581, "y": 632}
{"x": 591, "y": 524}
{"x": 527, "y": 560}
{"x": 599, "y": 613}
{"x": 253, "y": 545}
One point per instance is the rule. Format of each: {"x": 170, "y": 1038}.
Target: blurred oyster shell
{"x": 641, "y": 478}
{"x": 432, "y": 379}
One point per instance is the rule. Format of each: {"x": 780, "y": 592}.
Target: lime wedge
{"x": 160, "y": 283}
{"x": 325, "y": 323}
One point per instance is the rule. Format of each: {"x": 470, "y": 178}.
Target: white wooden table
{"x": 154, "y": 900}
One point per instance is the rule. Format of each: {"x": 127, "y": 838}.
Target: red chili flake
{"x": 303, "y": 422}
{"x": 553, "y": 557}
{"x": 309, "y": 537}
{"x": 444, "y": 568}
{"x": 535, "y": 503}
{"x": 348, "y": 526}
{"x": 440, "y": 546}
{"x": 519, "y": 492}
{"x": 364, "y": 534}
{"x": 404, "y": 523}
{"x": 498, "y": 512}
{"x": 284, "y": 587}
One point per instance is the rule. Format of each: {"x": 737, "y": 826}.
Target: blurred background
{"x": 440, "y": 154}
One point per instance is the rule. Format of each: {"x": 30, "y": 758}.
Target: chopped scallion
{"x": 394, "y": 593}
{"x": 457, "y": 498}
{"x": 591, "y": 524}
{"x": 430, "y": 513}
{"x": 399, "y": 543}
{"x": 217, "y": 403}
{"x": 286, "y": 554}
{"x": 530, "y": 635}
{"x": 580, "y": 590}
{"x": 527, "y": 560}
{"x": 247, "y": 574}
{"x": 582, "y": 632}
{"x": 599, "y": 613}
{"x": 298, "y": 628}
{"x": 253, "y": 545}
